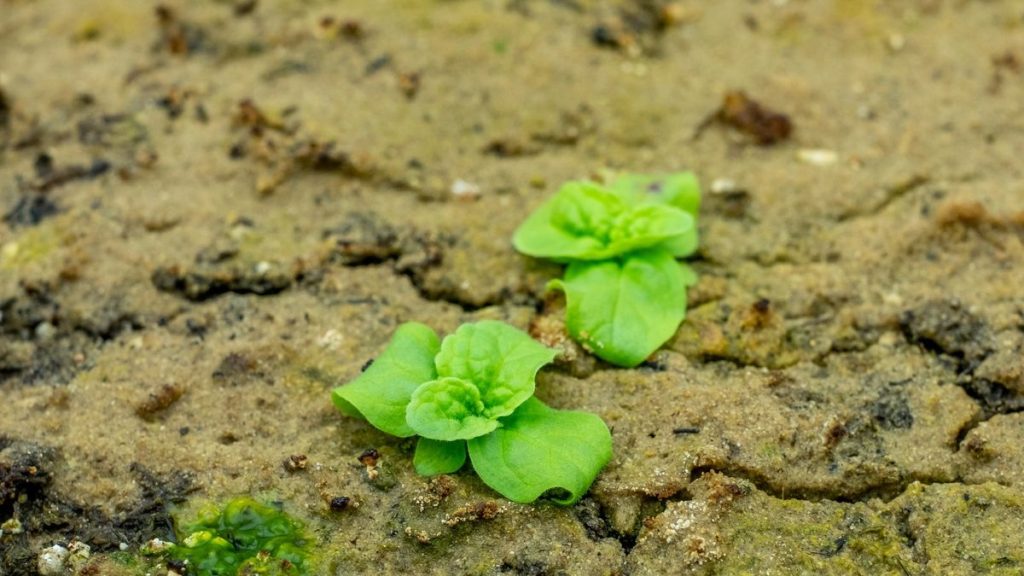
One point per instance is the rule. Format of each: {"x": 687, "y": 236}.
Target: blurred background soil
{"x": 215, "y": 211}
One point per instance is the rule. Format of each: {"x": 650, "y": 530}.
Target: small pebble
{"x": 45, "y": 331}
{"x": 296, "y": 462}
{"x": 465, "y": 189}
{"x": 51, "y": 560}
{"x": 817, "y": 156}
{"x": 723, "y": 185}
{"x": 340, "y": 503}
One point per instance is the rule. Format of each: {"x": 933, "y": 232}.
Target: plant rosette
{"x": 625, "y": 291}
{"x": 472, "y": 394}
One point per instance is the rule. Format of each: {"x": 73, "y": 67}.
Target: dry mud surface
{"x": 215, "y": 211}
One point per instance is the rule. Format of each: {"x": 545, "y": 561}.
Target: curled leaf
{"x": 586, "y": 221}
{"x": 448, "y": 409}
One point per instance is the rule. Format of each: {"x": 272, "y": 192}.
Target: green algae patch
{"x": 244, "y": 537}
{"x": 962, "y": 529}
{"x": 33, "y": 246}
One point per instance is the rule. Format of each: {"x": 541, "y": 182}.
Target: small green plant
{"x": 245, "y": 537}
{"x": 625, "y": 291}
{"x": 473, "y": 394}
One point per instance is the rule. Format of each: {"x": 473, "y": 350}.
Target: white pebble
{"x": 817, "y": 156}
{"x": 51, "y": 560}
{"x": 465, "y": 189}
{"x": 723, "y": 185}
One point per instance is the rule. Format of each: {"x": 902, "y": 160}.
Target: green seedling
{"x": 625, "y": 291}
{"x": 472, "y": 394}
{"x": 245, "y": 537}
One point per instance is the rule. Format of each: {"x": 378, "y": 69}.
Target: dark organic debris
{"x": 409, "y": 84}
{"x": 639, "y": 25}
{"x": 731, "y": 203}
{"x": 1008, "y": 63}
{"x": 487, "y": 510}
{"x": 764, "y": 125}
{"x": 5, "y": 111}
{"x": 891, "y": 410}
{"x": 244, "y": 7}
{"x": 947, "y": 327}
{"x": 377, "y": 64}
{"x": 176, "y": 36}
{"x": 348, "y": 29}
{"x": 51, "y": 360}
{"x": 510, "y": 148}
{"x": 50, "y": 176}
{"x": 252, "y": 116}
{"x": 589, "y": 513}
{"x": 276, "y": 143}
{"x": 369, "y": 457}
{"x": 364, "y": 238}
{"x": 31, "y": 210}
{"x": 157, "y": 402}
{"x": 239, "y": 368}
{"x": 26, "y": 472}
{"x": 198, "y": 286}
{"x": 339, "y": 503}
{"x": 993, "y": 397}
{"x": 296, "y": 462}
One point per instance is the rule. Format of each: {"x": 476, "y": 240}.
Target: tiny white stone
{"x": 465, "y": 189}
{"x": 817, "y": 156}
{"x": 155, "y": 546}
{"x": 45, "y": 331}
{"x": 330, "y": 339}
{"x": 262, "y": 267}
{"x": 51, "y": 560}
{"x": 723, "y": 185}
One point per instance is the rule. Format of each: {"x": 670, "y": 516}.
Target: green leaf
{"x": 587, "y": 222}
{"x": 434, "y": 457}
{"x": 573, "y": 224}
{"x": 448, "y": 409}
{"x": 651, "y": 225}
{"x": 623, "y": 310}
{"x": 538, "y": 449}
{"x": 680, "y": 189}
{"x": 501, "y": 361}
{"x": 586, "y": 209}
{"x": 381, "y": 393}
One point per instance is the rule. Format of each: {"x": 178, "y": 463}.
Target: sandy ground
{"x": 215, "y": 211}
